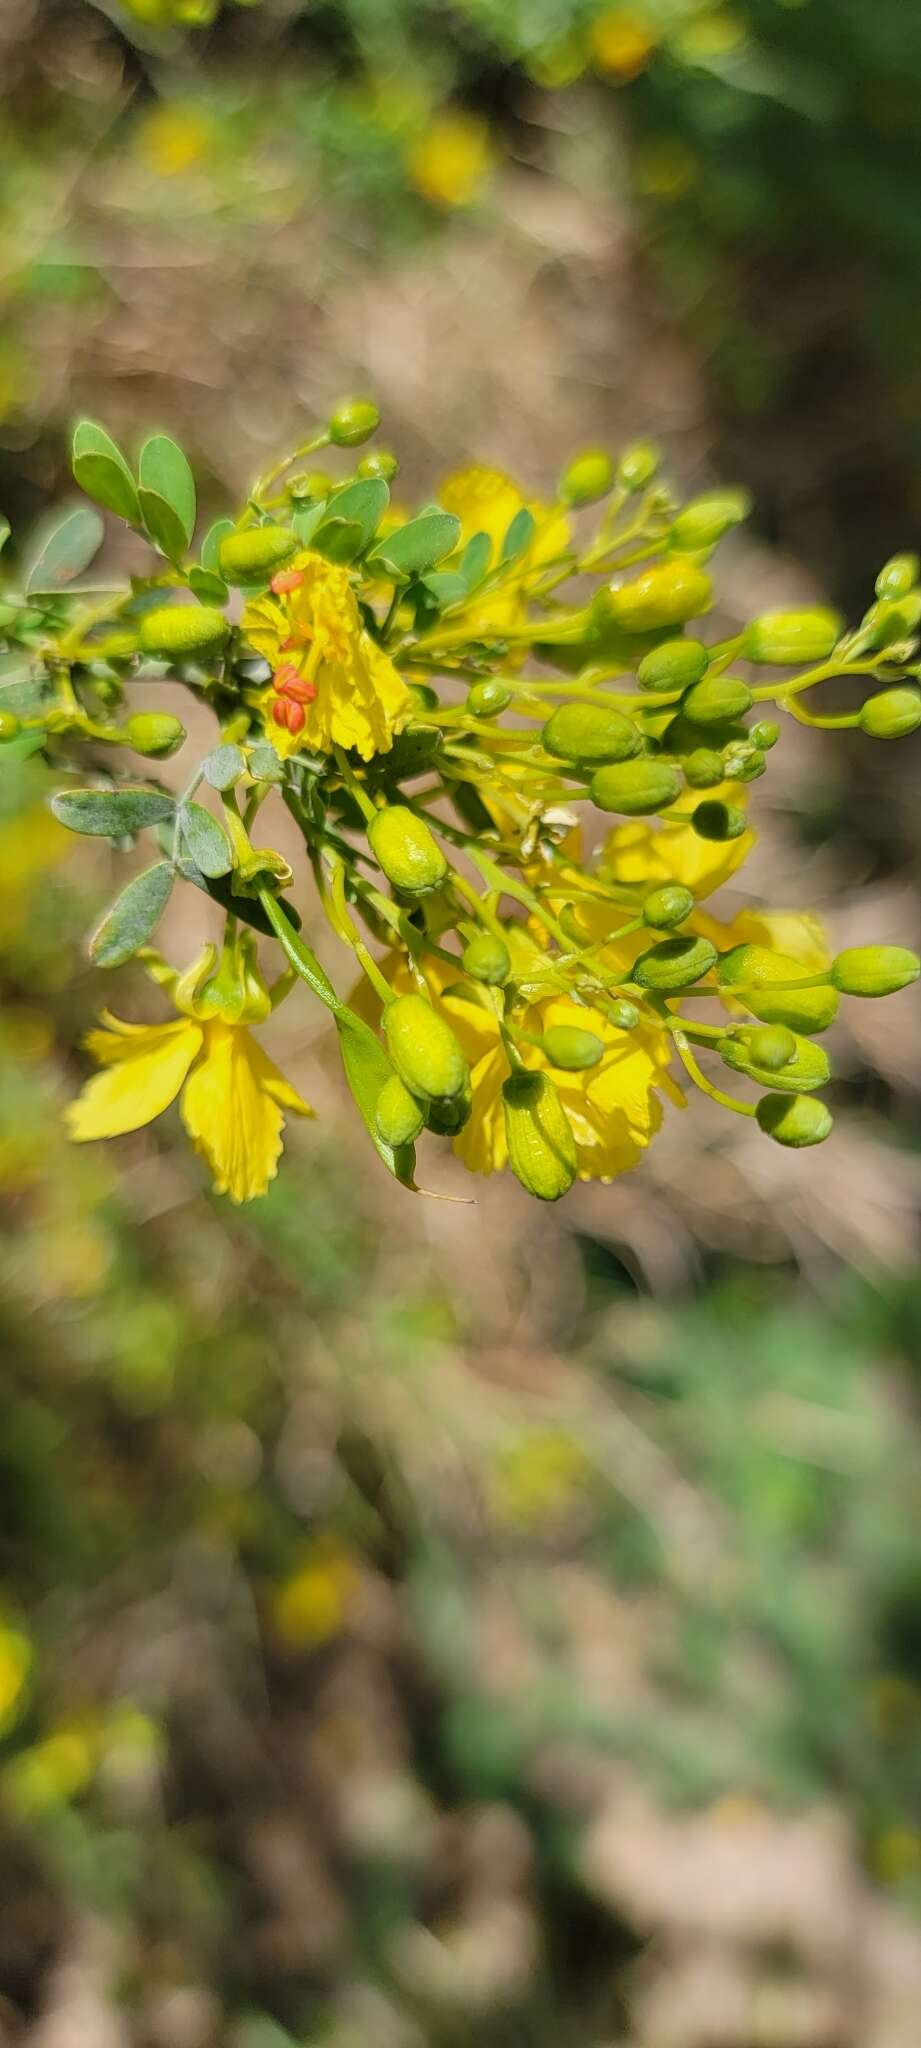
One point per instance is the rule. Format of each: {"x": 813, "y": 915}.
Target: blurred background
{"x": 421, "y": 1625}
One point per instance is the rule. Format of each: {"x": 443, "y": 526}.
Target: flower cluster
{"x": 440, "y": 721}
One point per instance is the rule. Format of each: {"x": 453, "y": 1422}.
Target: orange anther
{"x": 296, "y": 716}
{"x": 287, "y": 579}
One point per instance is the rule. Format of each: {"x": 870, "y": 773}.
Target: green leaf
{"x": 417, "y": 546}
{"x": 111, "y": 813}
{"x": 306, "y": 520}
{"x": 519, "y": 534}
{"x": 475, "y": 559}
{"x": 61, "y": 548}
{"x": 164, "y": 474}
{"x": 224, "y": 766}
{"x": 207, "y": 586}
{"x": 204, "y": 841}
{"x": 446, "y": 586}
{"x": 265, "y": 765}
{"x": 102, "y": 472}
{"x": 211, "y": 545}
{"x": 162, "y": 526}
{"x": 360, "y": 507}
{"x": 130, "y": 920}
{"x": 366, "y": 1069}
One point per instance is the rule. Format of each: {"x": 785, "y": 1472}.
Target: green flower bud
{"x": 898, "y": 576}
{"x": 565, "y": 1046}
{"x": 156, "y": 733}
{"x": 407, "y": 851}
{"x": 889, "y": 622}
{"x": 806, "y": 1068}
{"x": 637, "y": 788}
{"x": 716, "y": 698}
{"x": 704, "y": 520}
{"x": 587, "y": 477}
{"x": 874, "y": 970}
{"x": 447, "y": 1118}
{"x": 770, "y": 1046}
{"x": 9, "y": 725}
{"x": 487, "y": 698}
{"x": 715, "y": 820}
{"x": 180, "y": 631}
{"x": 423, "y": 696}
{"x": 891, "y": 714}
{"x": 541, "y": 1147}
{"x": 754, "y": 968}
{"x": 667, "y": 906}
{"x": 584, "y": 732}
{"x": 399, "y": 1117}
{"x": 704, "y": 769}
{"x": 794, "y": 1120}
{"x": 423, "y": 1048}
{"x": 788, "y": 638}
{"x": 411, "y": 750}
{"x": 764, "y": 734}
{"x": 744, "y": 763}
{"x": 311, "y": 485}
{"x": 638, "y": 465}
{"x": 247, "y": 556}
{"x": 353, "y": 421}
{"x": 623, "y": 1015}
{"x": 675, "y": 964}
{"x": 666, "y": 596}
{"x": 486, "y": 958}
{"x": 673, "y": 666}
{"x": 380, "y": 463}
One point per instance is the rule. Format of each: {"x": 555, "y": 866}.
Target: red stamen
{"x": 287, "y": 579}
{"x": 281, "y": 711}
{"x": 303, "y": 693}
{"x": 296, "y": 717}
{"x": 284, "y": 675}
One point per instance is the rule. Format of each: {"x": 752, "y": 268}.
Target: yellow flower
{"x": 312, "y": 1605}
{"x": 233, "y": 1098}
{"x": 331, "y": 685}
{"x": 671, "y": 851}
{"x": 621, "y": 43}
{"x": 451, "y": 160}
{"x": 613, "y": 1109}
{"x": 486, "y": 501}
{"x": 173, "y": 138}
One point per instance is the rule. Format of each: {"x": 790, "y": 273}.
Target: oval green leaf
{"x": 418, "y": 545}
{"x": 130, "y": 920}
{"x": 164, "y": 472}
{"x": 205, "y": 842}
{"x": 61, "y": 548}
{"x": 111, "y": 813}
{"x": 102, "y": 472}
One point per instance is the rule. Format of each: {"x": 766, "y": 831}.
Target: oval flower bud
{"x": 623, "y": 1015}
{"x": 874, "y": 970}
{"x": 155, "y": 733}
{"x": 754, "y": 968}
{"x": 637, "y": 788}
{"x": 788, "y": 638}
{"x": 423, "y": 1048}
{"x": 719, "y": 821}
{"x": 354, "y": 421}
{"x": 771, "y": 1046}
{"x": 399, "y": 1117}
{"x": 806, "y": 1068}
{"x": 704, "y": 520}
{"x": 638, "y": 465}
{"x": 541, "y": 1147}
{"x": 566, "y": 1046}
{"x": 674, "y": 964}
{"x": 9, "y": 725}
{"x": 246, "y": 556}
{"x": 380, "y": 463}
{"x": 704, "y": 769}
{"x": 898, "y": 576}
{"x": 794, "y": 1120}
{"x": 407, "y": 851}
{"x": 180, "y": 631}
{"x": 666, "y": 596}
{"x": 764, "y": 734}
{"x": 673, "y": 666}
{"x": 447, "y": 1118}
{"x": 587, "y": 477}
{"x": 716, "y": 698}
{"x": 585, "y": 732}
{"x": 486, "y": 958}
{"x": 891, "y": 714}
{"x": 667, "y": 906}
{"x": 423, "y": 696}
{"x": 488, "y": 697}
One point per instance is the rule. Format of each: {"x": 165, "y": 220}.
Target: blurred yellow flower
{"x": 31, "y": 845}
{"x": 622, "y": 43}
{"x": 312, "y": 1605}
{"x": 539, "y": 1478}
{"x": 15, "y": 1665}
{"x": 171, "y": 139}
{"x": 233, "y": 1097}
{"x": 451, "y": 160}
{"x": 55, "y": 1770}
{"x": 331, "y": 684}
{"x": 486, "y": 501}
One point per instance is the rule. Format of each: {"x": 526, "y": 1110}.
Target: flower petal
{"x": 145, "y": 1066}
{"x": 232, "y": 1118}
